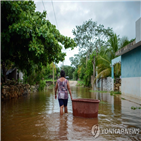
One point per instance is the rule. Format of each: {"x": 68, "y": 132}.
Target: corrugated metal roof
{"x": 9, "y": 71}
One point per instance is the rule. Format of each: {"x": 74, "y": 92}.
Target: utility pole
{"x": 53, "y": 73}
{"x": 63, "y": 66}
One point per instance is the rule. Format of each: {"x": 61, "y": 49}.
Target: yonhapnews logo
{"x": 95, "y": 131}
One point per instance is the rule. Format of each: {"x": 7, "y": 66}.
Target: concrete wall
{"x": 138, "y": 30}
{"x": 131, "y": 75}
{"x": 107, "y": 84}
{"x": 20, "y": 75}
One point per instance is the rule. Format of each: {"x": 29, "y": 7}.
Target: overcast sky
{"x": 121, "y": 16}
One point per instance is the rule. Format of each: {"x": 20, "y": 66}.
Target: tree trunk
{"x": 96, "y": 50}
{"x": 4, "y": 71}
{"x": 86, "y": 59}
{"x": 94, "y": 67}
{"x": 93, "y": 72}
{"x": 101, "y": 83}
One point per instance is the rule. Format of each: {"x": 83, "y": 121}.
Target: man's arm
{"x": 56, "y": 87}
{"x": 68, "y": 86}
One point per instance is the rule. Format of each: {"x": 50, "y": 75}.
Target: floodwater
{"x": 35, "y": 117}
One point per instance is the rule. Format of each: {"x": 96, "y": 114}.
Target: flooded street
{"x": 36, "y": 117}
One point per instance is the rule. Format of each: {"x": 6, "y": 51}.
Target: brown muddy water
{"x": 36, "y": 117}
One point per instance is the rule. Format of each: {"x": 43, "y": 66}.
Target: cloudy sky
{"x": 67, "y": 14}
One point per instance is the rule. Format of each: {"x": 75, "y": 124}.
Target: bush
{"x": 80, "y": 83}
{"x": 42, "y": 84}
{"x": 114, "y": 92}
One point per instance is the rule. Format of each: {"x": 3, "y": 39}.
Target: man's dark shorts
{"x": 63, "y": 102}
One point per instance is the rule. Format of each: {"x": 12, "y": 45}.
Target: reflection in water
{"x": 63, "y": 126}
{"x": 36, "y": 117}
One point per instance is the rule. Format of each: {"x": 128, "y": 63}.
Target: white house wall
{"x": 131, "y": 74}
{"x": 131, "y": 88}
{"x": 20, "y": 75}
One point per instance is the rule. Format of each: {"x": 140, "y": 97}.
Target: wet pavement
{"x": 36, "y": 117}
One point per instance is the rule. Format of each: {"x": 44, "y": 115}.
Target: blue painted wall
{"x": 131, "y": 63}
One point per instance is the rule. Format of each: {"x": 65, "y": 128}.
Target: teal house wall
{"x": 131, "y": 63}
{"x": 131, "y": 75}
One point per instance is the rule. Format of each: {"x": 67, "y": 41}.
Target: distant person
{"x": 63, "y": 87}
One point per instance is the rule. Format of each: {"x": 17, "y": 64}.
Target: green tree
{"x": 57, "y": 72}
{"x": 75, "y": 60}
{"x": 90, "y": 36}
{"x": 124, "y": 41}
{"x": 79, "y": 63}
{"x": 76, "y": 74}
{"x": 105, "y": 56}
{"x": 48, "y": 71}
{"x": 103, "y": 60}
{"x": 28, "y": 38}
{"x": 36, "y": 76}
{"x": 103, "y": 65}
{"x": 69, "y": 71}
{"x": 113, "y": 45}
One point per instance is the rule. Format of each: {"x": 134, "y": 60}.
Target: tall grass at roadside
{"x": 80, "y": 83}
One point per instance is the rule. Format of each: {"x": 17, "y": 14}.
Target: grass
{"x": 51, "y": 86}
{"x": 80, "y": 83}
{"x": 114, "y": 93}
{"x": 98, "y": 91}
{"x": 50, "y": 80}
{"x": 134, "y": 108}
{"x": 123, "y": 98}
{"x": 102, "y": 102}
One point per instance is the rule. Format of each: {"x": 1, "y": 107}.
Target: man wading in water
{"x": 63, "y": 86}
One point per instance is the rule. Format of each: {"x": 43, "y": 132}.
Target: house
{"x": 14, "y": 74}
{"x": 131, "y": 67}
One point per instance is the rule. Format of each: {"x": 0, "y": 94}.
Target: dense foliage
{"x": 28, "y": 39}
{"x": 90, "y": 36}
{"x": 96, "y": 41}
{"x": 68, "y": 71}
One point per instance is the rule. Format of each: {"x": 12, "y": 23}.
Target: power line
{"x": 43, "y": 4}
{"x": 45, "y": 9}
{"x": 54, "y": 14}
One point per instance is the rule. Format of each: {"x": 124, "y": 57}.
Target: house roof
{"x": 9, "y": 71}
{"x": 128, "y": 48}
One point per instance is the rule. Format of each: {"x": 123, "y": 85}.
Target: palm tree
{"x": 103, "y": 60}
{"x": 106, "y": 54}
{"x": 113, "y": 45}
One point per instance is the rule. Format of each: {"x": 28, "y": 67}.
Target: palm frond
{"x": 103, "y": 74}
